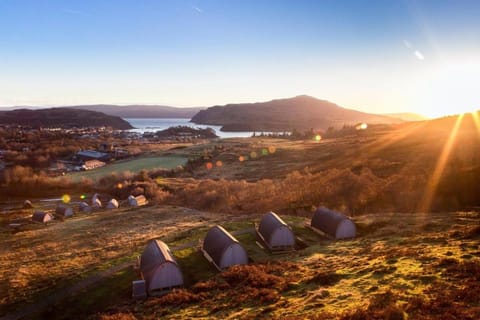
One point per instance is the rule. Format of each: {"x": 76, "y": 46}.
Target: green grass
{"x": 94, "y": 299}
{"x": 136, "y": 165}
{"x": 194, "y": 266}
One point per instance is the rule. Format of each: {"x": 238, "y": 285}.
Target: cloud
{"x": 197, "y": 9}
{"x": 407, "y": 44}
{"x": 419, "y": 55}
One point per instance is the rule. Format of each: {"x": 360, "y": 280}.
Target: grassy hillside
{"x": 402, "y": 265}
{"x": 420, "y": 266}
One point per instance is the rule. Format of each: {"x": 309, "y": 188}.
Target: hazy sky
{"x": 375, "y": 56}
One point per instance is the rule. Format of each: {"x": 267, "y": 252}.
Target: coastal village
{"x": 93, "y": 147}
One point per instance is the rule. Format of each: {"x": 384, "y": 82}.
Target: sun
{"x": 451, "y": 89}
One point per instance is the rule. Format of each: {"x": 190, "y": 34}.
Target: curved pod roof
{"x": 223, "y": 248}
{"x": 112, "y": 204}
{"x": 40, "y": 216}
{"x": 63, "y": 210}
{"x": 137, "y": 201}
{"x": 275, "y": 232}
{"x": 334, "y": 224}
{"x": 159, "y": 268}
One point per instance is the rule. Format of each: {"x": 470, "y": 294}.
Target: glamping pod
{"x": 333, "y": 224}
{"x": 96, "y": 203}
{"x": 222, "y": 249}
{"x": 63, "y": 210}
{"x": 84, "y": 207}
{"x": 275, "y": 233}
{"x": 159, "y": 268}
{"x": 137, "y": 201}
{"x": 27, "y": 204}
{"x": 112, "y": 204}
{"x": 41, "y": 217}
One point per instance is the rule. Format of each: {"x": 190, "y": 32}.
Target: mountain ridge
{"x": 62, "y": 117}
{"x": 301, "y": 112}
{"x": 132, "y": 111}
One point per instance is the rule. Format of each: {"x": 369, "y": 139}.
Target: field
{"x": 400, "y": 264}
{"x": 134, "y": 166}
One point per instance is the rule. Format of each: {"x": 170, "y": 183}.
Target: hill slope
{"x": 142, "y": 111}
{"x": 301, "y": 113}
{"x": 62, "y": 117}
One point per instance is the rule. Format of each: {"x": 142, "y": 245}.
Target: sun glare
{"x": 451, "y": 90}
{"x": 434, "y": 180}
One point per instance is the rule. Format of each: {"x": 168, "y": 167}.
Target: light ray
{"x": 397, "y": 135}
{"x": 476, "y": 120}
{"x": 434, "y": 180}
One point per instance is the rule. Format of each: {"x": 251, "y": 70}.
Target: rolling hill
{"x": 301, "y": 113}
{"x": 62, "y": 117}
{"x": 142, "y": 111}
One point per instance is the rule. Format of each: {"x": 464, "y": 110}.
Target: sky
{"x": 373, "y": 56}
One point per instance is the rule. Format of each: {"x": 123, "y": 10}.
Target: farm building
{"x": 333, "y": 224}
{"x": 63, "y": 210}
{"x": 137, "y": 201}
{"x": 93, "y": 164}
{"x": 42, "y": 217}
{"x": 112, "y": 204}
{"x": 275, "y": 233}
{"x": 159, "y": 268}
{"x": 84, "y": 207}
{"x": 222, "y": 249}
{"x": 92, "y": 155}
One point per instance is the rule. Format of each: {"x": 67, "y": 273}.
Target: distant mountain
{"x": 301, "y": 113}
{"x": 133, "y": 111}
{"x": 141, "y": 111}
{"x": 62, "y": 117}
{"x": 406, "y": 116}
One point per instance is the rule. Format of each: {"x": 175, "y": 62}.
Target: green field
{"x": 148, "y": 163}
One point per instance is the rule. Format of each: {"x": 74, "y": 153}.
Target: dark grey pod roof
{"x": 155, "y": 254}
{"x": 327, "y": 220}
{"x": 217, "y": 241}
{"x": 269, "y": 223}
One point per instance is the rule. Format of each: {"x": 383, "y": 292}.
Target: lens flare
{"x": 272, "y": 149}
{"x": 434, "y": 180}
{"x": 209, "y": 165}
{"x": 362, "y": 126}
{"x": 253, "y": 154}
{"x": 219, "y": 163}
{"x": 241, "y": 158}
{"x": 66, "y": 198}
{"x": 318, "y": 137}
{"x": 264, "y": 152}
{"x": 83, "y": 196}
{"x": 119, "y": 185}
